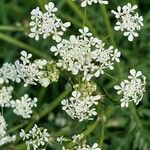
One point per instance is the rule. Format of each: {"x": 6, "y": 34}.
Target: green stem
{"x": 112, "y": 77}
{"x": 75, "y": 8}
{"x": 10, "y": 28}
{"x": 110, "y": 32}
{"x": 22, "y": 45}
{"x": 49, "y": 108}
{"x": 108, "y": 24}
{"x": 133, "y": 111}
{"x": 73, "y": 20}
{"x": 84, "y": 19}
{"x": 102, "y": 131}
{"x": 89, "y": 129}
{"x": 16, "y": 127}
{"x": 55, "y": 103}
{"x": 79, "y": 13}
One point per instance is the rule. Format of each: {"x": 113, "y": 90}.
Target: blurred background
{"x": 118, "y": 129}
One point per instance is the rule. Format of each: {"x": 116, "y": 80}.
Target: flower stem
{"x": 22, "y": 45}
{"x": 49, "y": 108}
{"x": 102, "y": 131}
{"x": 10, "y": 28}
{"x": 84, "y": 19}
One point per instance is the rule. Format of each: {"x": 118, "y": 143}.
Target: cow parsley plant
{"x": 81, "y": 105}
{"x": 79, "y": 143}
{"x": 84, "y": 3}
{"x": 47, "y": 24}
{"x": 4, "y": 137}
{"x": 128, "y": 21}
{"x": 132, "y": 88}
{"x": 23, "y": 107}
{"x": 5, "y": 96}
{"x": 8, "y": 72}
{"x": 36, "y": 138}
{"x": 85, "y": 54}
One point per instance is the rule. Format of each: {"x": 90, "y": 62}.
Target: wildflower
{"x": 132, "y": 88}
{"x": 47, "y": 23}
{"x": 3, "y": 137}
{"x": 94, "y": 147}
{"x": 3, "y": 126}
{"x": 76, "y": 138}
{"x": 36, "y": 137}
{"x": 7, "y": 139}
{"x": 84, "y": 3}
{"x": 23, "y": 107}
{"x": 128, "y": 21}
{"x": 39, "y": 70}
{"x": 8, "y": 72}
{"x": 5, "y": 96}
{"x": 80, "y": 107}
{"x": 27, "y": 70}
{"x": 80, "y": 143}
{"x": 85, "y": 54}
{"x": 60, "y": 139}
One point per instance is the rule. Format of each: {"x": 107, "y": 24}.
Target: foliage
{"x": 115, "y": 128}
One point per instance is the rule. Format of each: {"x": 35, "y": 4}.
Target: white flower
{"x": 36, "y": 137}
{"x": 23, "y": 107}
{"x": 8, "y": 72}
{"x": 84, "y": 3}
{"x": 60, "y": 139}
{"x": 27, "y": 70}
{"x": 80, "y": 143}
{"x": 85, "y": 54}
{"x": 131, "y": 34}
{"x": 128, "y": 21}
{"x": 5, "y": 96}
{"x": 47, "y": 24}
{"x": 132, "y": 89}
{"x": 80, "y": 107}
{"x": 7, "y": 139}
{"x": 94, "y": 147}
{"x": 4, "y": 138}
{"x": 3, "y": 126}
{"x": 23, "y": 135}
{"x": 76, "y": 138}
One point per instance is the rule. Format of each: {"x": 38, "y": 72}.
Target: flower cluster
{"x": 128, "y": 21}
{"x": 3, "y": 126}
{"x": 85, "y": 54}
{"x": 27, "y": 70}
{"x": 8, "y": 72}
{"x": 23, "y": 107}
{"x": 84, "y": 3}
{"x": 132, "y": 89}
{"x": 47, "y": 23}
{"x": 81, "y": 104}
{"x": 39, "y": 70}
{"x": 80, "y": 143}
{"x": 5, "y": 96}
{"x": 35, "y": 138}
{"x": 3, "y": 137}
{"x": 7, "y": 139}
